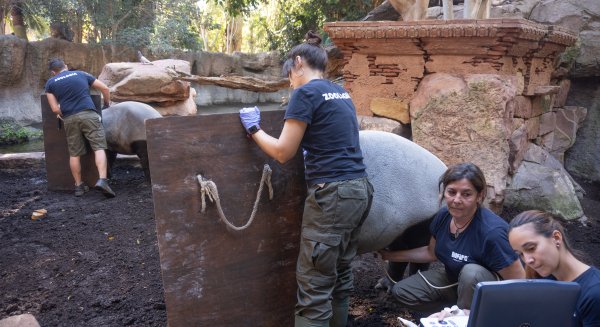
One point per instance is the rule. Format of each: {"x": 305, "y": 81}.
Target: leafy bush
{"x": 12, "y": 133}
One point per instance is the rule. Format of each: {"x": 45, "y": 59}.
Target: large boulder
{"x": 371, "y": 123}
{"x": 129, "y": 81}
{"x": 583, "y": 158}
{"x": 542, "y": 183}
{"x": 468, "y": 118}
{"x": 178, "y": 108}
{"x": 558, "y": 129}
{"x": 581, "y": 16}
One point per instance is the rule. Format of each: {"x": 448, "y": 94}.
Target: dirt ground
{"x": 94, "y": 261}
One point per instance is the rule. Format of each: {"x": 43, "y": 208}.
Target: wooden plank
{"x": 213, "y": 276}
{"x": 57, "y": 153}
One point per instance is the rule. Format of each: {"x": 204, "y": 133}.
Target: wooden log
{"x": 239, "y": 82}
{"x": 213, "y": 276}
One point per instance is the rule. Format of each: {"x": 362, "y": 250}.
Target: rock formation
{"x": 152, "y": 84}
{"x": 479, "y": 91}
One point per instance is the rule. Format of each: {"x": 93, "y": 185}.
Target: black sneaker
{"x": 102, "y": 186}
{"x": 81, "y": 189}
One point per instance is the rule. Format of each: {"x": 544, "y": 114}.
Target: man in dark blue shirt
{"x": 69, "y": 98}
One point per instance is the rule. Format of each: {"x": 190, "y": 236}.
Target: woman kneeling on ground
{"x": 471, "y": 242}
{"x": 539, "y": 239}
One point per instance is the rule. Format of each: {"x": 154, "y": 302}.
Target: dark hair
{"x": 466, "y": 170}
{"x": 311, "y": 51}
{"x": 544, "y": 223}
{"x": 56, "y": 65}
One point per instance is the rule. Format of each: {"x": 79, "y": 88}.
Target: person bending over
{"x": 69, "y": 98}
{"x": 539, "y": 239}
{"x": 469, "y": 240}
{"x": 321, "y": 118}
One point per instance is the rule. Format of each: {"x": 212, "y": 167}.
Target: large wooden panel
{"x": 213, "y": 276}
{"x": 57, "y": 153}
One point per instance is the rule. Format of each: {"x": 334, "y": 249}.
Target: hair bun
{"x": 313, "y": 38}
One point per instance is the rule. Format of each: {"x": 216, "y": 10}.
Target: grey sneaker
{"x": 81, "y": 189}
{"x": 102, "y": 186}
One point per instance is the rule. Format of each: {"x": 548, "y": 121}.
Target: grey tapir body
{"x": 126, "y": 131}
{"x": 405, "y": 177}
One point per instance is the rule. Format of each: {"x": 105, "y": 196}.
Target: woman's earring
{"x": 557, "y": 244}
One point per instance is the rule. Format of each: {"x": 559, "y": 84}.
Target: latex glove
{"x": 250, "y": 118}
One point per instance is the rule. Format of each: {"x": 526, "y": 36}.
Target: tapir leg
{"x": 140, "y": 148}
{"x": 111, "y": 158}
{"x": 414, "y": 237}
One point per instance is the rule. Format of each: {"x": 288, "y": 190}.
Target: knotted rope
{"x": 209, "y": 188}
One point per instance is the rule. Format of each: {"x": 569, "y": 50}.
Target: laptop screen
{"x": 524, "y": 303}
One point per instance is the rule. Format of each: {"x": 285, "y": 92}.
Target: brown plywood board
{"x": 213, "y": 276}
{"x": 57, "y": 153}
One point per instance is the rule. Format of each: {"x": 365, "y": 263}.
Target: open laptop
{"x": 517, "y": 303}
{"x": 524, "y": 303}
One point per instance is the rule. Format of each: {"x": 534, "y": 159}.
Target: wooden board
{"x": 213, "y": 276}
{"x": 57, "y": 153}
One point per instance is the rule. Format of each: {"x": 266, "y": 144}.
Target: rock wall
{"x": 583, "y": 17}
{"x": 470, "y": 121}
{"x": 23, "y": 72}
{"x": 583, "y": 158}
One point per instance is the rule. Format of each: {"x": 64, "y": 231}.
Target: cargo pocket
{"x": 352, "y": 202}
{"x": 322, "y": 255}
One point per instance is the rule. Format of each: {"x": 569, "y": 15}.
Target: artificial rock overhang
{"x": 388, "y": 59}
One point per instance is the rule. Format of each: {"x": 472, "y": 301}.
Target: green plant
{"x": 13, "y": 134}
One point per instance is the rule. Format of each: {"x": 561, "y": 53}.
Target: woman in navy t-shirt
{"x": 469, "y": 240}
{"x": 540, "y": 241}
{"x": 321, "y": 118}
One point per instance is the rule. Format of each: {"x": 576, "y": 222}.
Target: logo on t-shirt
{"x": 65, "y": 76}
{"x": 332, "y": 96}
{"x": 460, "y": 257}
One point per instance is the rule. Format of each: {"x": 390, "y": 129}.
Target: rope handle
{"x": 209, "y": 189}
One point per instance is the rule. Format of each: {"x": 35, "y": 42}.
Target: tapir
{"x": 405, "y": 177}
{"x": 124, "y": 126}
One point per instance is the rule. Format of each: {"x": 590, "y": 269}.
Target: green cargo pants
{"x": 333, "y": 215}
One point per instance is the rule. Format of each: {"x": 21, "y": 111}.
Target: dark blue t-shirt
{"x": 72, "y": 90}
{"x": 484, "y": 242}
{"x": 587, "y": 311}
{"x": 331, "y": 137}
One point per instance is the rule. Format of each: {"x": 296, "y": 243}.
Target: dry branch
{"x": 239, "y": 82}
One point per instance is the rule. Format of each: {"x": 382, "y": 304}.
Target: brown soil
{"x": 94, "y": 261}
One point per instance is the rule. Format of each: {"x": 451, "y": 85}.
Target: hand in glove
{"x": 250, "y": 118}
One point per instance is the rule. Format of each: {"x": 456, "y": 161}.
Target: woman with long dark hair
{"x": 540, "y": 240}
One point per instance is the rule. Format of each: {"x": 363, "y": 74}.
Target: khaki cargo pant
{"x": 333, "y": 215}
{"x": 82, "y": 126}
{"x": 415, "y": 293}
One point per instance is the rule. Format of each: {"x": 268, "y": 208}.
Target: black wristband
{"x": 253, "y": 129}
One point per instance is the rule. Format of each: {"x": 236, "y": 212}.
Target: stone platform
{"x": 387, "y": 60}
{"x": 481, "y": 91}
